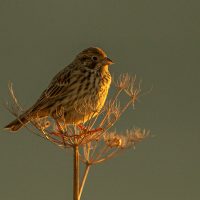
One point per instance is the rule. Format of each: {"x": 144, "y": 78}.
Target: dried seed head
{"x": 42, "y": 123}
{"x": 133, "y": 89}
{"x": 137, "y": 135}
{"x": 124, "y": 141}
{"x": 112, "y": 139}
{"x": 62, "y": 134}
{"x": 123, "y": 81}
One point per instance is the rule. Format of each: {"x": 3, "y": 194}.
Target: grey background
{"x": 157, "y": 40}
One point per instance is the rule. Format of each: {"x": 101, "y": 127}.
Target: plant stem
{"x": 84, "y": 179}
{"x": 76, "y": 173}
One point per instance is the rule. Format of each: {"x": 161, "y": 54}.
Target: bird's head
{"x": 93, "y": 58}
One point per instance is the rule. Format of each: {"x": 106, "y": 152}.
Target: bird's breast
{"x": 103, "y": 87}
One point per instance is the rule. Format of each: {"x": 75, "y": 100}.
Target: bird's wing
{"x": 56, "y": 90}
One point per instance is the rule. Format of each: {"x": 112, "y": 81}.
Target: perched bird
{"x": 85, "y": 81}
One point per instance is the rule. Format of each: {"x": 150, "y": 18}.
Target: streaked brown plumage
{"x": 81, "y": 85}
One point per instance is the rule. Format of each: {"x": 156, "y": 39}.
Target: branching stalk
{"x": 95, "y": 145}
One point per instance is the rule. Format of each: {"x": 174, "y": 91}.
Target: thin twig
{"x": 87, "y": 168}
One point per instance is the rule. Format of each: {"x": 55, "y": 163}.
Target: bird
{"x": 78, "y": 89}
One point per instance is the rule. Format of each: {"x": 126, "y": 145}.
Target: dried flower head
{"x": 94, "y": 137}
{"x": 124, "y": 141}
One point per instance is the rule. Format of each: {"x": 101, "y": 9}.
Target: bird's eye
{"x": 94, "y": 58}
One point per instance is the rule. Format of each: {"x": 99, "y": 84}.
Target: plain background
{"x": 157, "y": 40}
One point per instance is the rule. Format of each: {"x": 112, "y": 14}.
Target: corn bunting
{"x": 77, "y": 90}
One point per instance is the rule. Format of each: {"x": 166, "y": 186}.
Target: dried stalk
{"x": 76, "y": 173}
{"x": 98, "y": 144}
{"x": 87, "y": 168}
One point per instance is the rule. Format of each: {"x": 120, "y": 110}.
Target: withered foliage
{"x": 95, "y": 139}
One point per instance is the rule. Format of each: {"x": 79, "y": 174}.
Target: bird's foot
{"x": 58, "y": 134}
{"x": 83, "y": 128}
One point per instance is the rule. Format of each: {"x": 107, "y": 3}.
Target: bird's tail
{"x": 17, "y": 123}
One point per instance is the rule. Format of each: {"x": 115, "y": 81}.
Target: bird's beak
{"x": 107, "y": 61}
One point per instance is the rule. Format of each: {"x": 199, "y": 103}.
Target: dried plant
{"x": 93, "y": 142}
